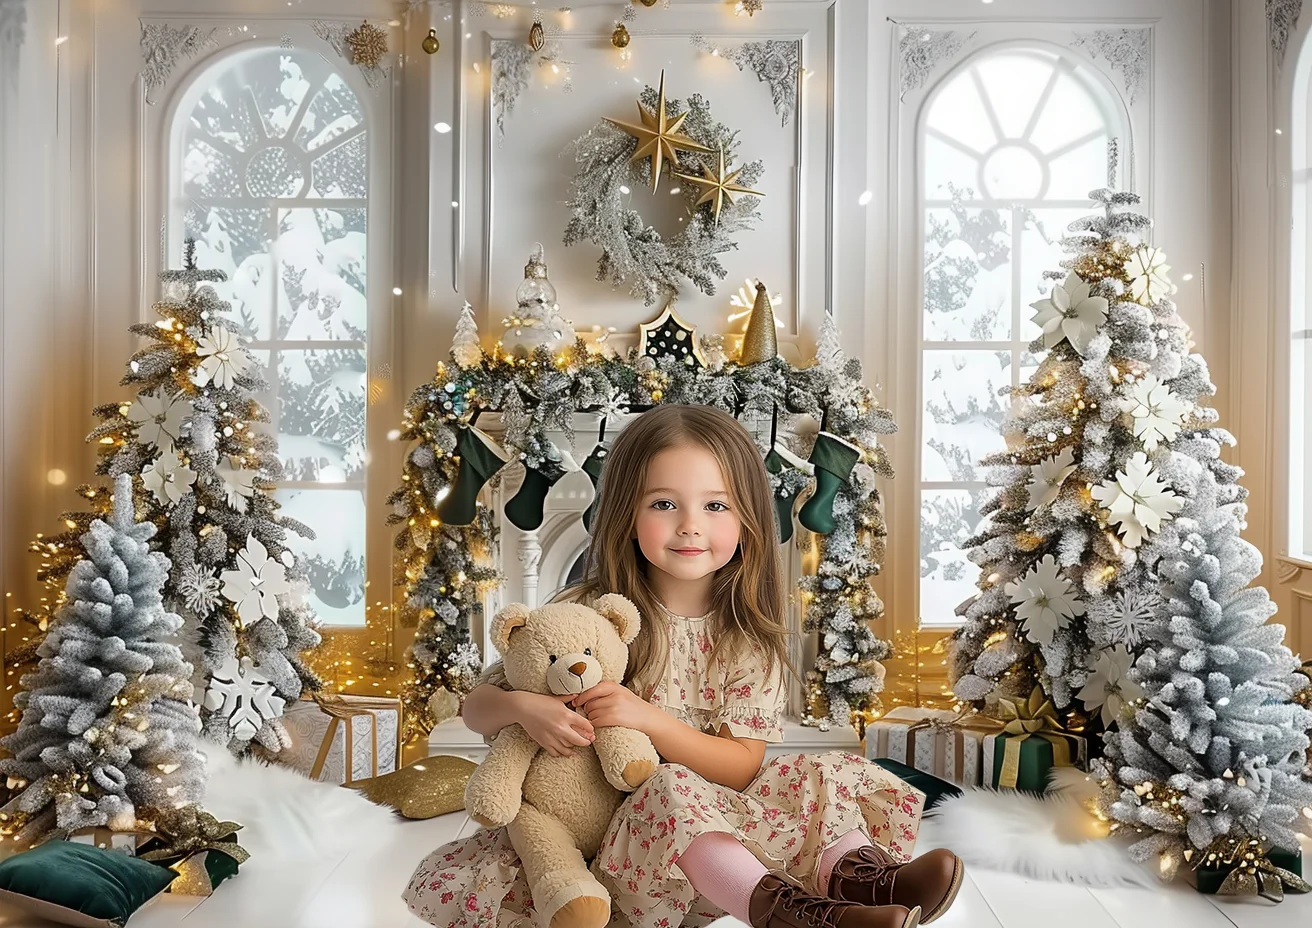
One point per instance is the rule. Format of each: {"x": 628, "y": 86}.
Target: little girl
{"x": 684, "y": 527}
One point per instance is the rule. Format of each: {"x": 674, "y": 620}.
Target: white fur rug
{"x": 290, "y": 818}
{"x": 1052, "y": 837}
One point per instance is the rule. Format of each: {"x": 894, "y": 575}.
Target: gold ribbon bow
{"x": 192, "y": 830}
{"x": 1262, "y": 878}
{"x": 1034, "y": 717}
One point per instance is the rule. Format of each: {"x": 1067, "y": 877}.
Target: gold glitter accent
{"x": 429, "y": 787}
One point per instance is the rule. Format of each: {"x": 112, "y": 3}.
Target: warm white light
{"x": 623, "y": 189}
{"x": 56, "y": 477}
{"x": 394, "y": 435}
{"x": 61, "y": 40}
{"x": 442, "y": 127}
{"x": 555, "y": 69}
{"x": 396, "y": 291}
{"x": 676, "y": 190}
{"x": 865, "y": 198}
{"x": 455, "y": 204}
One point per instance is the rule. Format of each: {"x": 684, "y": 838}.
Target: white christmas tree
{"x": 464, "y": 347}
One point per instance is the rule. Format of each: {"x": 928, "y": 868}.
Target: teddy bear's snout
{"x": 574, "y": 673}
{"x": 579, "y": 668}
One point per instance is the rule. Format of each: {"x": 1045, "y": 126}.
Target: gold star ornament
{"x": 719, "y": 186}
{"x": 658, "y": 136}
{"x": 368, "y": 45}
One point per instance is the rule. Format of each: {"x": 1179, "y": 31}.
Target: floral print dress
{"x": 798, "y": 805}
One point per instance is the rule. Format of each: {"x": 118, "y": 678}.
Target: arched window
{"x": 1009, "y": 146}
{"x": 269, "y": 173}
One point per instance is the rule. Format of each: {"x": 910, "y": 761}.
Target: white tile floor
{"x": 349, "y": 892}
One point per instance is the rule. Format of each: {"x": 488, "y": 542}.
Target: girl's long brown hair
{"x": 747, "y": 598}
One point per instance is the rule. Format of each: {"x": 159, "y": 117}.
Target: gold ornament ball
{"x": 656, "y": 396}
{"x": 620, "y": 37}
{"x": 537, "y": 37}
{"x": 647, "y": 3}
{"x": 430, "y": 43}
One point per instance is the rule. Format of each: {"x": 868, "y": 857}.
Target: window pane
{"x": 321, "y": 274}
{"x": 1075, "y": 173}
{"x": 334, "y": 112}
{"x": 236, "y": 241}
{"x": 947, "y": 168}
{"x": 963, "y": 411}
{"x": 947, "y": 577}
{"x": 1013, "y": 83}
{"x": 321, "y": 414}
{"x": 335, "y": 557}
{"x": 967, "y": 274}
{"x": 958, "y": 113}
{"x": 1070, "y": 113}
{"x": 340, "y": 171}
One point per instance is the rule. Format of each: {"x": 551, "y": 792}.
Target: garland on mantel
{"x": 445, "y": 569}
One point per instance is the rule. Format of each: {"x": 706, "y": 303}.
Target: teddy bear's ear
{"x": 507, "y": 620}
{"x": 622, "y": 614}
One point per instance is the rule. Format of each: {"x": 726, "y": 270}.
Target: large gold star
{"x": 719, "y": 186}
{"x": 658, "y": 136}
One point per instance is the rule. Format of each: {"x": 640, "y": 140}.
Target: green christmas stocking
{"x": 480, "y": 459}
{"x": 777, "y": 460}
{"x": 525, "y": 509}
{"x": 592, "y": 467}
{"x": 834, "y": 459}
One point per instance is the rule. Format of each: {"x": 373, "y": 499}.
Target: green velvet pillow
{"x": 935, "y": 788}
{"x": 78, "y": 884}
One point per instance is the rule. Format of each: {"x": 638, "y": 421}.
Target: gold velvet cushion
{"x": 426, "y": 788}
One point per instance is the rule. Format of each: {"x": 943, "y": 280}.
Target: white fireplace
{"x": 538, "y": 563}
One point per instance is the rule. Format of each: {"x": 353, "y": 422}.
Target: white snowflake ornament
{"x": 222, "y": 359}
{"x": 1047, "y": 476}
{"x": 255, "y": 584}
{"x": 245, "y": 696}
{"x": 238, "y": 483}
{"x": 1045, "y": 601}
{"x": 1147, "y": 269}
{"x": 199, "y": 588}
{"x": 1124, "y": 617}
{"x": 1068, "y": 312}
{"x": 168, "y": 478}
{"x": 1139, "y": 501}
{"x": 159, "y": 418}
{"x": 1110, "y": 685}
{"x": 1157, "y": 412}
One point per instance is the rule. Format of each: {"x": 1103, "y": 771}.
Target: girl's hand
{"x": 553, "y": 724}
{"x": 609, "y": 703}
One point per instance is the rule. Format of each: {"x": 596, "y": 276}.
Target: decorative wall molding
{"x": 335, "y": 33}
{"x": 921, "y": 50}
{"x": 1281, "y": 19}
{"x": 776, "y": 63}
{"x": 165, "y": 46}
{"x": 1126, "y": 50}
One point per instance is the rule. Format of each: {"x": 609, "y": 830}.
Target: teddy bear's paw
{"x": 583, "y": 912}
{"x": 636, "y": 772}
{"x": 492, "y": 814}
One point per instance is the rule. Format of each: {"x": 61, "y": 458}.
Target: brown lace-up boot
{"x": 870, "y": 875}
{"x": 779, "y": 901}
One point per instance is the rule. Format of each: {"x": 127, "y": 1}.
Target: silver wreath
{"x": 633, "y": 253}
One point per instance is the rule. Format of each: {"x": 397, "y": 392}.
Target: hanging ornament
{"x": 750, "y": 7}
{"x": 244, "y": 696}
{"x": 1047, "y": 476}
{"x": 1138, "y": 500}
{"x": 1070, "y": 313}
{"x": 464, "y": 346}
{"x": 647, "y": 3}
{"x": 368, "y": 45}
{"x": 1110, "y": 686}
{"x": 658, "y": 136}
{"x": 719, "y": 186}
{"x": 430, "y": 43}
{"x": 760, "y": 343}
{"x": 537, "y": 36}
{"x": 254, "y": 586}
{"x": 537, "y": 321}
{"x": 668, "y": 336}
{"x": 1157, "y": 411}
{"x": 620, "y": 38}
{"x": 1045, "y": 601}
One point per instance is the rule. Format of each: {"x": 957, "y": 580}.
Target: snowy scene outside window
{"x": 270, "y": 178}
{"x": 1010, "y": 146}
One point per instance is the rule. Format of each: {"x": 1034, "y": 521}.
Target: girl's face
{"x": 687, "y": 527}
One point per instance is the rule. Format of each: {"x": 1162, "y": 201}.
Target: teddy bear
{"x": 557, "y": 809}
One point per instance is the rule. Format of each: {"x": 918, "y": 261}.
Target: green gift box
{"x": 1035, "y": 762}
{"x": 1208, "y": 879}
{"x": 1033, "y": 742}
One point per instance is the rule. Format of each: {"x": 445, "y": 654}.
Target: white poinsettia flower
{"x": 1139, "y": 501}
{"x": 1109, "y": 685}
{"x": 168, "y": 478}
{"x": 1147, "y": 269}
{"x": 159, "y": 418}
{"x": 1157, "y": 411}
{"x": 1047, "y": 476}
{"x": 1069, "y": 312}
{"x": 1045, "y": 601}
{"x": 222, "y": 359}
{"x": 255, "y": 584}
{"x": 238, "y": 483}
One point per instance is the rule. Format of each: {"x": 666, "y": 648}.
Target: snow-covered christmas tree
{"x": 109, "y": 734}
{"x": 1212, "y": 756}
{"x": 203, "y": 472}
{"x": 1104, "y": 444}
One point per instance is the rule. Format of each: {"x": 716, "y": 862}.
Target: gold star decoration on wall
{"x": 658, "y": 136}
{"x": 368, "y": 45}
{"x": 719, "y": 186}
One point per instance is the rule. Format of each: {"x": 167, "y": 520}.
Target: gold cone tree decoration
{"x": 759, "y": 341}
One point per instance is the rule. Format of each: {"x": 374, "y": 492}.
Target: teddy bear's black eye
{"x": 587, "y": 651}
{"x": 553, "y": 658}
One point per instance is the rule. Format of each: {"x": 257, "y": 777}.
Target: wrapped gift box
{"x": 341, "y": 739}
{"x": 934, "y": 741}
{"x": 1037, "y": 755}
{"x": 1208, "y": 879}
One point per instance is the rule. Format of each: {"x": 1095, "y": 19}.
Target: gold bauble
{"x": 620, "y": 37}
{"x": 656, "y": 396}
{"x": 428, "y": 787}
{"x": 430, "y": 43}
{"x": 760, "y": 342}
{"x": 647, "y": 3}
{"x": 537, "y": 37}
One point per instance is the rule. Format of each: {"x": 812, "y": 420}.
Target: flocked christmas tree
{"x": 1103, "y": 448}
{"x": 109, "y": 734}
{"x": 1212, "y": 758}
{"x": 203, "y": 472}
